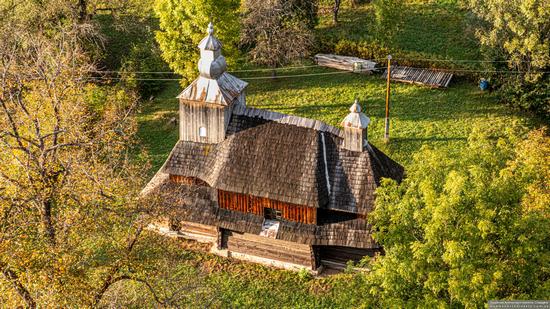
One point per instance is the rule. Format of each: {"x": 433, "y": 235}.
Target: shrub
{"x": 533, "y": 96}
{"x": 144, "y": 57}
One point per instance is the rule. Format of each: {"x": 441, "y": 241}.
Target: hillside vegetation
{"x": 88, "y": 113}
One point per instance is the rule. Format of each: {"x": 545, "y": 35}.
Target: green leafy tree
{"x": 183, "y": 25}
{"x": 467, "y": 227}
{"x": 518, "y": 32}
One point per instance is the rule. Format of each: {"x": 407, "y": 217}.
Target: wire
{"x": 245, "y": 78}
{"x": 237, "y": 71}
{"x": 474, "y": 71}
{"x": 283, "y": 68}
{"x": 317, "y": 65}
{"x": 312, "y": 74}
{"x": 450, "y": 60}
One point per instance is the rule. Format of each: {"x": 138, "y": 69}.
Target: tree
{"x": 518, "y": 32}
{"x": 274, "y": 32}
{"x": 87, "y": 9}
{"x": 183, "y": 25}
{"x": 467, "y": 227}
{"x": 72, "y": 222}
{"x": 306, "y": 10}
{"x": 335, "y": 10}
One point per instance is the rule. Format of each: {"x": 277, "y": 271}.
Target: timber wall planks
{"x": 187, "y": 180}
{"x": 274, "y": 249}
{"x": 194, "y": 115}
{"x": 255, "y": 205}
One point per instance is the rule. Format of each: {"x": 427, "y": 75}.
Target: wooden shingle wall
{"x": 354, "y": 139}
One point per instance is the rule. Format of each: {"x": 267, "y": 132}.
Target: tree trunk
{"x": 47, "y": 221}
{"x": 12, "y": 277}
{"x": 335, "y": 11}
{"x": 82, "y": 10}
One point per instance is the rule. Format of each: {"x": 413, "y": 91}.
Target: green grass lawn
{"x": 419, "y": 115}
{"x": 426, "y": 30}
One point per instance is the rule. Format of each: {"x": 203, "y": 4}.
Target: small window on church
{"x": 272, "y": 214}
{"x": 202, "y": 132}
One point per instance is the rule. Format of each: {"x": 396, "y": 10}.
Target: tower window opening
{"x": 202, "y": 132}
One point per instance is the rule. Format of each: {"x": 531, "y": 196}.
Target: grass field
{"x": 431, "y": 29}
{"x": 419, "y": 115}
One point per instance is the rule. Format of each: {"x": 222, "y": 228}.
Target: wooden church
{"x": 267, "y": 187}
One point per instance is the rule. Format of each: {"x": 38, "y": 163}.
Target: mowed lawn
{"x": 423, "y": 30}
{"x": 420, "y": 116}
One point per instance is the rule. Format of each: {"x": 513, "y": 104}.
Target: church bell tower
{"x": 207, "y": 103}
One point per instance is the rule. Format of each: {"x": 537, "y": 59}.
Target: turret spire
{"x": 355, "y": 128}
{"x": 356, "y": 119}
{"x": 210, "y": 29}
{"x": 211, "y": 64}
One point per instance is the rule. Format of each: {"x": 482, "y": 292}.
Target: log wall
{"x": 256, "y": 205}
{"x": 187, "y": 180}
{"x": 274, "y": 249}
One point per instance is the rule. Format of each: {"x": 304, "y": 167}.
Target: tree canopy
{"x": 275, "y": 32}
{"x": 466, "y": 227}
{"x": 72, "y": 221}
{"x": 183, "y": 25}
{"x": 518, "y": 32}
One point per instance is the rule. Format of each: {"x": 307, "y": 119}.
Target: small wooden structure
{"x": 420, "y": 76}
{"x": 345, "y": 63}
{"x": 269, "y": 187}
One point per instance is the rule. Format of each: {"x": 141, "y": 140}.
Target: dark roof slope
{"x": 286, "y": 162}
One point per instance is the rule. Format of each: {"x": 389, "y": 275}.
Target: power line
{"x": 273, "y": 69}
{"x": 244, "y": 78}
{"x": 317, "y": 74}
{"x": 236, "y": 71}
{"x": 316, "y": 65}
{"x": 480, "y": 71}
{"x": 452, "y": 60}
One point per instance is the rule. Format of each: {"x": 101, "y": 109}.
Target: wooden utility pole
{"x": 387, "y": 130}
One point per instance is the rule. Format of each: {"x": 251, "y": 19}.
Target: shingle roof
{"x": 286, "y": 162}
{"x": 222, "y": 90}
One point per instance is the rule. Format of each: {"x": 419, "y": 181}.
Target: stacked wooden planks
{"x": 432, "y": 78}
{"x": 345, "y": 63}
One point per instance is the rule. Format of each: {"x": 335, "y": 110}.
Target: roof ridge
{"x": 298, "y": 121}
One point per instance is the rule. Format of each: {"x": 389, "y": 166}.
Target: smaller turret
{"x": 355, "y": 128}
